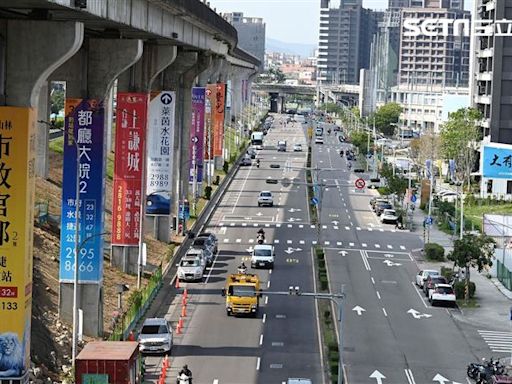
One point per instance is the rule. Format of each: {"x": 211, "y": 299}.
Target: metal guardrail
{"x": 504, "y": 275}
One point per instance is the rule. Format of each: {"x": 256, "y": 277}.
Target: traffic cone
{"x": 180, "y": 322}
{"x": 185, "y": 293}
{"x": 178, "y": 329}
{"x": 183, "y": 311}
{"x": 166, "y": 362}
{"x": 183, "y": 300}
{"x": 177, "y": 283}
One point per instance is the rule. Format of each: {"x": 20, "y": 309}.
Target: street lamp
{"x": 337, "y": 300}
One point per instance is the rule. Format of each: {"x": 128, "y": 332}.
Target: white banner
{"x": 160, "y": 142}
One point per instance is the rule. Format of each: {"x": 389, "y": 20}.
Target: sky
{"x": 293, "y": 21}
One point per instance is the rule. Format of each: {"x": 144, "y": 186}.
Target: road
{"x": 391, "y": 335}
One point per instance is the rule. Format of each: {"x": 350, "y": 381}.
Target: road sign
{"x": 314, "y": 201}
{"x": 413, "y": 198}
{"x": 360, "y": 183}
{"x": 428, "y": 220}
{"x": 166, "y": 98}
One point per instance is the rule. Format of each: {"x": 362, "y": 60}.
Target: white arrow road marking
{"x": 418, "y": 315}
{"x": 343, "y": 253}
{"x": 359, "y": 310}
{"x": 250, "y": 249}
{"x": 377, "y": 376}
{"x": 335, "y": 222}
{"x": 289, "y": 250}
{"x": 389, "y": 263}
{"x": 440, "y": 379}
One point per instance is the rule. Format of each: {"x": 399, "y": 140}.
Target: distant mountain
{"x": 304, "y": 50}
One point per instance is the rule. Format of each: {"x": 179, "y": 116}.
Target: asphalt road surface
{"x": 391, "y": 335}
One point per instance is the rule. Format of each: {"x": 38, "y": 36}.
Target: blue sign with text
{"x": 83, "y": 137}
{"x": 497, "y": 162}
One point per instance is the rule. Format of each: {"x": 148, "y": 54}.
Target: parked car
{"x": 431, "y": 282}
{"x": 442, "y": 293}
{"x": 380, "y": 207}
{"x": 423, "y": 275}
{"x": 205, "y": 244}
{"x": 319, "y": 140}
{"x": 297, "y": 147}
{"x": 158, "y": 203}
{"x": 155, "y": 336}
{"x": 375, "y": 200}
{"x": 388, "y": 216}
{"x": 190, "y": 268}
{"x": 213, "y": 239}
{"x": 265, "y": 198}
{"x": 202, "y": 254}
{"x": 251, "y": 152}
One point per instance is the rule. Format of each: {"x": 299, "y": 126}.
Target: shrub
{"x": 460, "y": 288}
{"x": 208, "y": 192}
{"x": 321, "y": 263}
{"x": 327, "y": 315}
{"x": 434, "y": 252}
{"x": 324, "y": 285}
{"x": 319, "y": 253}
{"x": 225, "y": 167}
{"x": 447, "y": 273}
{"x": 332, "y": 346}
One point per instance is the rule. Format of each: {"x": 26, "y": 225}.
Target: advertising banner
{"x": 497, "y": 161}
{"x": 196, "y": 144}
{"x": 210, "y": 103}
{"x": 159, "y": 152}
{"x": 218, "y": 119}
{"x": 83, "y": 138}
{"x": 131, "y": 121}
{"x": 17, "y": 149}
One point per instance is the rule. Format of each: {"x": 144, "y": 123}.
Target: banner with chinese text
{"x": 160, "y": 152}
{"x": 83, "y": 138}
{"x": 131, "y": 119}
{"x": 218, "y": 119}
{"x": 209, "y": 106}
{"x": 497, "y": 161}
{"x": 196, "y": 144}
{"x": 17, "y": 150}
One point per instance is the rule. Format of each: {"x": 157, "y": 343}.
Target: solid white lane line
{"x": 269, "y": 271}
{"x": 410, "y": 377}
{"x": 385, "y": 313}
{"x": 258, "y": 364}
{"x": 419, "y": 294}
{"x": 365, "y": 260}
{"x": 378, "y": 294}
{"x": 264, "y": 317}
{"x": 373, "y": 281}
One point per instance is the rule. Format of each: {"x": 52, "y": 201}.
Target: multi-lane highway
{"x": 390, "y": 332}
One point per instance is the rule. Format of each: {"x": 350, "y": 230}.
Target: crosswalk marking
{"x": 289, "y": 241}
{"x": 364, "y": 245}
{"x": 497, "y": 341}
{"x": 402, "y": 247}
{"x": 377, "y": 245}
{"x": 338, "y": 243}
{"x": 390, "y": 246}
{"x": 251, "y": 241}
{"x": 276, "y": 241}
{"x": 327, "y": 242}
{"x": 335, "y": 227}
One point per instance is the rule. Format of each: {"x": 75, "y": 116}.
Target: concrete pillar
{"x": 140, "y": 78}
{"x": 90, "y": 74}
{"x": 43, "y": 131}
{"x": 30, "y": 62}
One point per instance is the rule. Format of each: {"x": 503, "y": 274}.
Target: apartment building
{"x": 251, "y": 33}
{"x": 346, "y": 34}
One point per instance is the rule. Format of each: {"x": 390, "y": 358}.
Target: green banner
{"x": 94, "y": 379}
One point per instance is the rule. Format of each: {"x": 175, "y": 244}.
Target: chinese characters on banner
{"x": 497, "y": 161}
{"x": 83, "y": 137}
{"x": 160, "y": 151}
{"x": 208, "y": 120}
{"x": 17, "y": 149}
{"x": 131, "y": 118}
{"x": 218, "y": 119}
{"x": 196, "y": 145}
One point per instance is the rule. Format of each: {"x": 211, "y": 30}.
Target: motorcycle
{"x": 261, "y": 238}
{"x": 341, "y": 152}
{"x": 184, "y": 379}
{"x": 258, "y": 163}
{"x": 242, "y": 269}
{"x": 482, "y": 372}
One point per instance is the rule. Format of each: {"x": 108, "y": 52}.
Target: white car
{"x": 422, "y": 275}
{"x": 198, "y": 252}
{"x": 190, "y": 269}
{"x": 155, "y": 336}
{"x": 297, "y": 147}
{"x": 265, "y": 198}
{"x": 442, "y": 293}
{"x": 262, "y": 256}
{"x": 319, "y": 140}
{"x": 449, "y": 197}
{"x": 388, "y": 216}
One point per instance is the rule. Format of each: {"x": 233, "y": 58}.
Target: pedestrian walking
{"x": 399, "y": 222}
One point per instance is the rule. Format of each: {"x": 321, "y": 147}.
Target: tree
{"x": 360, "y": 140}
{"x": 57, "y": 101}
{"x": 459, "y": 137}
{"x": 472, "y": 251}
{"x": 386, "y": 116}
{"x": 331, "y": 108}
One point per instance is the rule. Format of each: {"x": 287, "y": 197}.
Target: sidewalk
{"x": 494, "y": 300}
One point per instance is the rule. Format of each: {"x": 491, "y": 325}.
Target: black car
{"x": 380, "y": 207}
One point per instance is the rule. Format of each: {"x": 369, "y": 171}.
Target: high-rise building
{"x": 491, "y": 85}
{"x": 251, "y": 33}
{"x": 446, "y": 4}
{"x": 395, "y": 4}
{"x": 434, "y": 60}
{"x": 346, "y": 34}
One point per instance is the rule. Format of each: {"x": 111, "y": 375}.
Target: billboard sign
{"x": 83, "y": 138}
{"x": 208, "y": 119}
{"x": 497, "y": 161}
{"x": 196, "y": 144}
{"x": 218, "y": 119}
{"x": 131, "y": 119}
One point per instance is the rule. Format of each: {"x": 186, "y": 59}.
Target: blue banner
{"x": 497, "y": 162}
{"x": 451, "y": 168}
{"x": 428, "y": 168}
{"x": 83, "y": 133}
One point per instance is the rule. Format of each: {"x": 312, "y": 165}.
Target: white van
{"x": 262, "y": 256}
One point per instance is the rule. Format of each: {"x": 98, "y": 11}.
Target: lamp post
{"x": 337, "y": 300}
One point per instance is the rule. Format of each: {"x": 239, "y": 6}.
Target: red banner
{"x": 209, "y": 108}
{"x": 131, "y": 120}
{"x": 218, "y": 119}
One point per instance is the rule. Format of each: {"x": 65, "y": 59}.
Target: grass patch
{"x": 57, "y": 145}
{"x": 472, "y": 303}
{"x": 474, "y": 212}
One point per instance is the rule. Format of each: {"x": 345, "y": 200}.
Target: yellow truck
{"x": 242, "y": 294}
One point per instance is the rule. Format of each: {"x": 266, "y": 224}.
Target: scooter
{"x": 184, "y": 379}
{"x": 261, "y": 238}
{"x": 242, "y": 269}
{"x": 258, "y": 163}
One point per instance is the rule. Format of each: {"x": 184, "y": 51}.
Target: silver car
{"x": 155, "y": 336}
{"x": 265, "y": 198}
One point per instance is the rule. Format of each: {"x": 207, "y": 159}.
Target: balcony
{"x": 484, "y": 99}
{"x": 484, "y": 76}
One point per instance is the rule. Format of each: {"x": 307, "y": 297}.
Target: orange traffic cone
{"x": 183, "y": 311}
{"x": 180, "y": 322}
{"x": 177, "y": 283}
{"x": 185, "y": 293}
{"x": 178, "y": 329}
{"x": 183, "y": 300}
